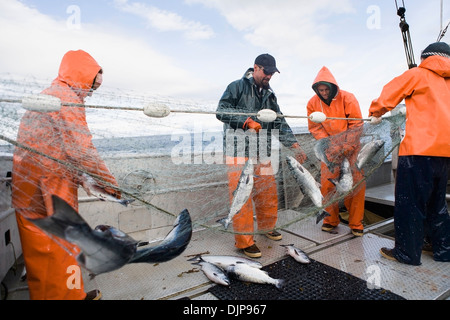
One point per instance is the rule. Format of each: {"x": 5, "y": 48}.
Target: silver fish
{"x": 319, "y": 150}
{"x": 102, "y": 250}
{"x": 345, "y": 181}
{"x": 244, "y": 272}
{"x": 296, "y": 253}
{"x": 93, "y": 189}
{"x": 225, "y": 261}
{"x": 214, "y": 273}
{"x": 241, "y": 193}
{"x": 367, "y": 152}
{"x": 106, "y": 248}
{"x": 308, "y": 185}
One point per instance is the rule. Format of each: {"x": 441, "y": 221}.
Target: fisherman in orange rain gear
{"x": 49, "y": 141}
{"x": 251, "y": 94}
{"x": 344, "y": 142}
{"x": 424, "y": 156}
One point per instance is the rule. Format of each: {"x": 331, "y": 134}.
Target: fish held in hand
{"x": 308, "y": 185}
{"x": 103, "y": 249}
{"x": 367, "y": 152}
{"x": 345, "y": 181}
{"x": 320, "y": 151}
{"x": 173, "y": 244}
{"x": 93, "y": 189}
{"x": 106, "y": 248}
{"x": 241, "y": 194}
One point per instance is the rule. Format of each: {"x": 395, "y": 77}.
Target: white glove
{"x": 375, "y": 120}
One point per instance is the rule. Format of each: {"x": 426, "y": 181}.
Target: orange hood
{"x": 78, "y": 70}
{"x": 437, "y": 64}
{"x": 326, "y": 77}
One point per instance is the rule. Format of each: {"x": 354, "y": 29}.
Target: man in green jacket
{"x": 248, "y": 138}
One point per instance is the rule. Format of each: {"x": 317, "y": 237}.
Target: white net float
{"x": 41, "y": 103}
{"x": 317, "y": 117}
{"x": 156, "y": 110}
{"x": 266, "y": 115}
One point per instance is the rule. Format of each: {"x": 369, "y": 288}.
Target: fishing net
{"x": 166, "y": 164}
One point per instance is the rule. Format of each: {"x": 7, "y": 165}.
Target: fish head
{"x": 295, "y": 164}
{"x": 290, "y": 160}
{"x": 345, "y": 165}
{"x": 379, "y": 143}
{"x": 106, "y": 249}
{"x": 109, "y": 232}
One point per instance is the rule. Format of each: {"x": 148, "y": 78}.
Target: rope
{"x": 249, "y": 114}
{"x": 442, "y": 33}
{"x": 71, "y": 166}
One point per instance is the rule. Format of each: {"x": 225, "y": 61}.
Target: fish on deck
{"x": 225, "y": 261}
{"x": 214, "y": 273}
{"x": 244, "y": 272}
{"x": 296, "y": 253}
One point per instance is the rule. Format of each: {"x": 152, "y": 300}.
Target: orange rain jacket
{"x": 65, "y": 136}
{"x": 426, "y": 91}
{"x": 341, "y": 104}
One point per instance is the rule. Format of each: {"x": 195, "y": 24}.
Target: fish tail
{"x": 126, "y": 202}
{"x": 279, "y": 284}
{"x": 333, "y": 181}
{"x": 321, "y": 215}
{"x": 196, "y": 258}
{"x": 224, "y": 221}
{"x": 64, "y": 216}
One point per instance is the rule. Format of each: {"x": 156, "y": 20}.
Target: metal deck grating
{"x": 314, "y": 281}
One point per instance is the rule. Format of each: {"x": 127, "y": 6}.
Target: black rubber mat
{"x": 313, "y": 281}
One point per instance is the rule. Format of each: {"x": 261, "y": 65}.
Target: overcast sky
{"x": 193, "y": 48}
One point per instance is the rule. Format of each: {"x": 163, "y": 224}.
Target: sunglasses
{"x": 266, "y": 72}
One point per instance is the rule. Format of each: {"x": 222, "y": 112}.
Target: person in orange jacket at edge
{"x": 424, "y": 156}
{"x": 344, "y": 136}
{"x": 65, "y": 136}
{"x": 251, "y": 94}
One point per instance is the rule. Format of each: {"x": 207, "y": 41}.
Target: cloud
{"x": 163, "y": 20}
{"x": 35, "y": 43}
{"x": 284, "y": 26}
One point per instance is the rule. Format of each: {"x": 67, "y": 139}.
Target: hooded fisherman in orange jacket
{"x": 52, "y": 272}
{"x": 424, "y": 156}
{"x": 344, "y": 137}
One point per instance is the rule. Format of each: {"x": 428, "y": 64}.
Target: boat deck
{"x": 358, "y": 256}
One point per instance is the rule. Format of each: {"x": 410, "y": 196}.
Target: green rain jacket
{"x": 242, "y": 96}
